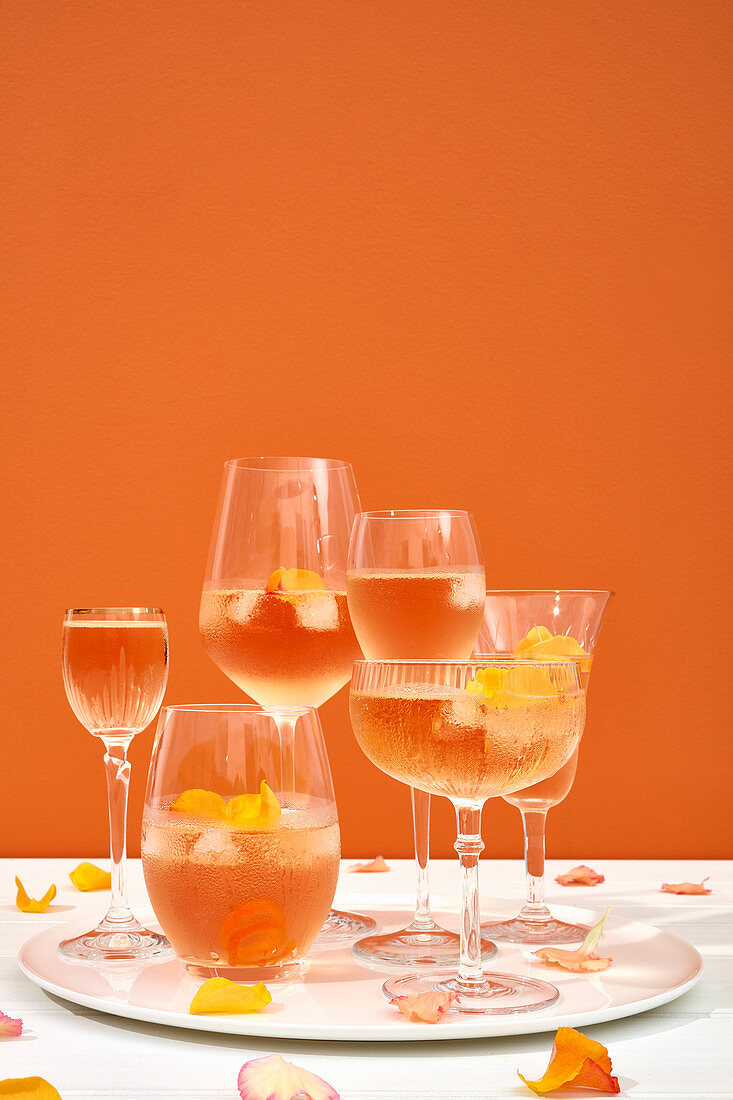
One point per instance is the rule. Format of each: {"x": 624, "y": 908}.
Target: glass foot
{"x": 499, "y": 994}
{"x": 535, "y": 933}
{"x": 411, "y": 946}
{"x": 130, "y": 941}
{"x": 341, "y": 929}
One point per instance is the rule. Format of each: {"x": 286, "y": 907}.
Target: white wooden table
{"x": 682, "y": 1050}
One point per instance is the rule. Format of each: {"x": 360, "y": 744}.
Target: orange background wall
{"x": 477, "y": 248}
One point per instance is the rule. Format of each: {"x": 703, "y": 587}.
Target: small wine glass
{"x": 273, "y": 613}
{"x": 240, "y": 839}
{"x": 115, "y": 667}
{"x": 469, "y": 730}
{"x": 511, "y": 620}
{"x": 416, "y": 589}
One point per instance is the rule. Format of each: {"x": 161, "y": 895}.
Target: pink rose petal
{"x": 273, "y": 1078}
{"x": 377, "y": 864}
{"x": 580, "y": 876}
{"x": 428, "y": 1008}
{"x": 10, "y": 1028}
{"x": 686, "y": 887}
{"x": 583, "y": 959}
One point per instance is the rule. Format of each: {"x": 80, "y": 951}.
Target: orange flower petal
{"x": 686, "y": 887}
{"x": 428, "y": 1008}
{"x": 199, "y": 803}
{"x": 221, "y": 995}
{"x": 377, "y": 864}
{"x": 31, "y": 905}
{"x": 294, "y": 580}
{"x": 89, "y": 877}
{"x": 580, "y": 876}
{"x": 536, "y": 634}
{"x": 20, "y": 1088}
{"x": 10, "y": 1028}
{"x": 585, "y": 958}
{"x": 575, "y": 1060}
{"x": 255, "y": 934}
{"x": 256, "y": 811}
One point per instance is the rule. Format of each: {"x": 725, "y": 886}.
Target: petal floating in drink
{"x": 377, "y": 864}
{"x": 219, "y": 995}
{"x": 540, "y": 643}
{"x": 256, "y": 811}
{"x": 273, "y": 1078}
{"x": 294, "y": 580}
{"x": 255, "y": 934}
{"x": 686, "y": 887}
{"x": 585, "y": 958}
{"x": 580, "y": 876}
{"x": 576, "y": 1061}
{"x": 199, "y": 803}
{"x": 427, "y": 1008}
{"x": 36, "y": 1088}
{"x": 536, "y": 635}
{"x": 89, "y": 877}
{"x": 31, "y": 905}
{"x": 10, "y": 1028}
{"x": 487, "y": 682}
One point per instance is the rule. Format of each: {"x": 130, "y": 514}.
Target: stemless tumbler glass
{"x": 240, "y": 841}
{"x": 273, "y": 613}
{"x": 416, "y": 589}
{"x": 469, "y": 730}
{"x": 115, "y": 666}
{"x": 542, "y": 624}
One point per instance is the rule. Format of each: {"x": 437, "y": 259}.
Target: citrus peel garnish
{"x": 254, "y": 934}
{"x": 580, "y": 876}
{"x": 274, "y": 1078}
{"x": 426, "y": 1008}
{"x": 36, "y": 1088}
{"x": 10, "y": 1028}
{"x": 372, "y": 865}
{"x": 221, "y": 995}
{"x": 33, "y": 905}
{"x": 686, "y": 887}
{"x": 294, "y": 580}
{"x": 576, "y": 1061}
{"x": 585, "y": 958}
{"x": 88, "y": 877}
{"x": 255, "y": 811}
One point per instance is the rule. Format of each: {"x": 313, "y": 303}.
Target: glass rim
{"x": 478, "y": 659}
{"x": 550, "y": 592}
{"x": 117, "y": 610}
{"x": 284, "y": 463}
{"x": 236, "y": 708}
{"x": 411, "y": 513}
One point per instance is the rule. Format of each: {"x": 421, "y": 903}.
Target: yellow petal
{"x": 487, "y": 682}
{"x": 536, "y": 634}
{"x": 20, "y": 1088}
{"x": 221, "y": 995}
{"x": 199, "y": 803}
{"x": 559, "y": 645}
{"x": 89, "y": 877}
{"x": 255, "y": 811}
{"x": 31, "y": 905}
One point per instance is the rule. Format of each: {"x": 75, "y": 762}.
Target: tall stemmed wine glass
{"x": 469, "y": 730}
{"x": 542, "y": 624}
{"x": 273, "y": 613}
{"x": 416, "y": 589}
{"x": 115, "y": 666}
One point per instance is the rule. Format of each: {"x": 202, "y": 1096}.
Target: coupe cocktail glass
{"x": 469, "y": 730}
{"x": 511, "y": 620}
{"x": 115, "y": 666}
{"x": 240, "y": 840}
{"x": 415, "y": 586}
{"x": 273, "y": 613}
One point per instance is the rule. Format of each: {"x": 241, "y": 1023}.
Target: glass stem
{"x": 422, "y": 921}
{"x": 469, "y": 846}
{"x": 118, "y": 782}
{"x": 535, "y": 909}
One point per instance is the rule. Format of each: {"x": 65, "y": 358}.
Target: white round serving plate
{"x": 341, "y": 1000}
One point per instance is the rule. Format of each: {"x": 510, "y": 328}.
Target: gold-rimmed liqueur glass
{"x": 273, "y": 614}
{"x": 469, "y": 731}
{"x": 416, "y": 589}
{"x": 240, "y": 839}
{"x": 115, "y": 668}
{"x": 510, "y": 619}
